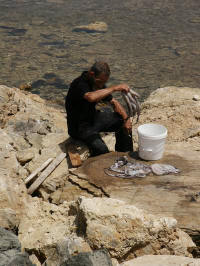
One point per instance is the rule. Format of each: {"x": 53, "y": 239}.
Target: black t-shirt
{"x": 80, "y": 112}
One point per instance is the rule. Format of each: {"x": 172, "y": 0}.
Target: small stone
{"x": 196, "y": 97}
{"x": 25, "y": 156}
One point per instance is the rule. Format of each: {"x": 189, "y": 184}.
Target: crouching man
{"x": 85, "y": 121}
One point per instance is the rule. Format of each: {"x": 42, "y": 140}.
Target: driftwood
{"x": 39, "y": 169}
{"x": 46, "y": 173}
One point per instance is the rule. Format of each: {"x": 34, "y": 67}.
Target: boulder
{"x": 174, "y": 108}
{"x": 167, "y": 260}
{"x": 66, "y": 249}
{"x": 43, "y": 225}
{"x": 174, "y": 195}
{"x": 10, "y": 250}
{"x": 29, "y": 136}
{"x": 126, "y": 231}
{"x": 99, "y": 257}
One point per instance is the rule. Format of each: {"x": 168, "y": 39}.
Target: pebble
{"x": 196, "y": 97}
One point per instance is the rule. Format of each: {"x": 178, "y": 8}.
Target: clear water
{"x": 149, "y": 43}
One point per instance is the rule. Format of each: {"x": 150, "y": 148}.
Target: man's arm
{"x": 100, "y": 94}
{"x": 118, "y": 108}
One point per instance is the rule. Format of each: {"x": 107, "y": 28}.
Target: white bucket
{"x": 151, "y": 140}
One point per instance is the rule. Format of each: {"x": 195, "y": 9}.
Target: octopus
{"x": 131, "y": 99}
{"x": 124, "y": 169}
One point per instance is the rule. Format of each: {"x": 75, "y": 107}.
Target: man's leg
{"x": 124, "y": 141}
{"x": 112, "y": 122}
{"x": 96, "y": 145}
{"x": 106, "y": 122}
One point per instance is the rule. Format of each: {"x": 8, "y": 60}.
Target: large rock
{"x": 32, "y": 131}
{"x": 96, "y": 258}
{"x": 66, "y": 249}
{"x": 30, "y": 134}
{"x": 176, "y": 109}
{"x": 167, "y": 260}
{"x": 43, "y": 225}
{"x": 172, "y": 195}
{"x": 10, "y": 250}
{"x": 126, "y": 231}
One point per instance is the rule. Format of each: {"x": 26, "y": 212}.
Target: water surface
{"x": 149, "y": 43}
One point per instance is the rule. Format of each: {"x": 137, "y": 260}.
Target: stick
{"x": 46, "y": 173}
{"x": 39, "y": 169}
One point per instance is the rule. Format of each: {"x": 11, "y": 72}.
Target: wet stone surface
{"x": 168, "y": 195}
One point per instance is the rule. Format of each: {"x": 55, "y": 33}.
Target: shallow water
{"x": 149, "y": 43}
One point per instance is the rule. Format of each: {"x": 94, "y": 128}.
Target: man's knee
{"x": 96, "y": 145}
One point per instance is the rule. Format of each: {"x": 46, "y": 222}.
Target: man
{"x": 85, "y": 122}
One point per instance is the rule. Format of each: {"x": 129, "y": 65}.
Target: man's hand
{"x": 128, "y": 125}
{"x": 122, "y": 87}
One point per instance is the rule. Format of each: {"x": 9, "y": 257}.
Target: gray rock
{"x": 10, "y": 250}
{"x": 8, "y": 241}
{"x": 97, "y": 258}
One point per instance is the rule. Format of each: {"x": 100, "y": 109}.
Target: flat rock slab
{"x": 173, "y": 195}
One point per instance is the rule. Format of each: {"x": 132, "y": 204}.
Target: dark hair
{"x": 100, "y": 67}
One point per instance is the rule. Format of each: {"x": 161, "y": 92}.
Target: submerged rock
{"x": 98, "y": 26}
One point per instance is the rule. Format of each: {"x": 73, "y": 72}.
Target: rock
{"x": 8, "y": 159}
{"x": 109, "y": 139}
{"x": 67, "y": 248}
{"x": 174, "y": 108}
{"x": 196, "y": 97}
{"x": 43, "y": 225}
{"x": 99, "y": 257}
{"x": 10, "y": 250}
{"x": 167, "y": 260}
{"x": 8, "y": 219}
{"x": 114, "y": 262}
{"x": 34, "y": 260}
{"x": 12, "y": 197}
{"x": 29, "y": 124}
{"x": 126, "y": 231}
{"x": 170, "y": 194}
{"x": 100, "y": 27}
{"x": 25, "y": 156}
{"x": 56, "y": 196}
{"x": 53, "y": 139}
{"x": 178, "y": 111}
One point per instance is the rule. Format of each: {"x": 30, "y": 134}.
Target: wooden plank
{"x": 46, "y": 173}
{"x": 39, "y": 169}
{"x": 74, "y": 155}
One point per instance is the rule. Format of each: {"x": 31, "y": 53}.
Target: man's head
{"x": 99, "y": 73}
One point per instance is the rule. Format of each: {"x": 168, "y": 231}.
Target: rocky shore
{"x": 83, "y": 217}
